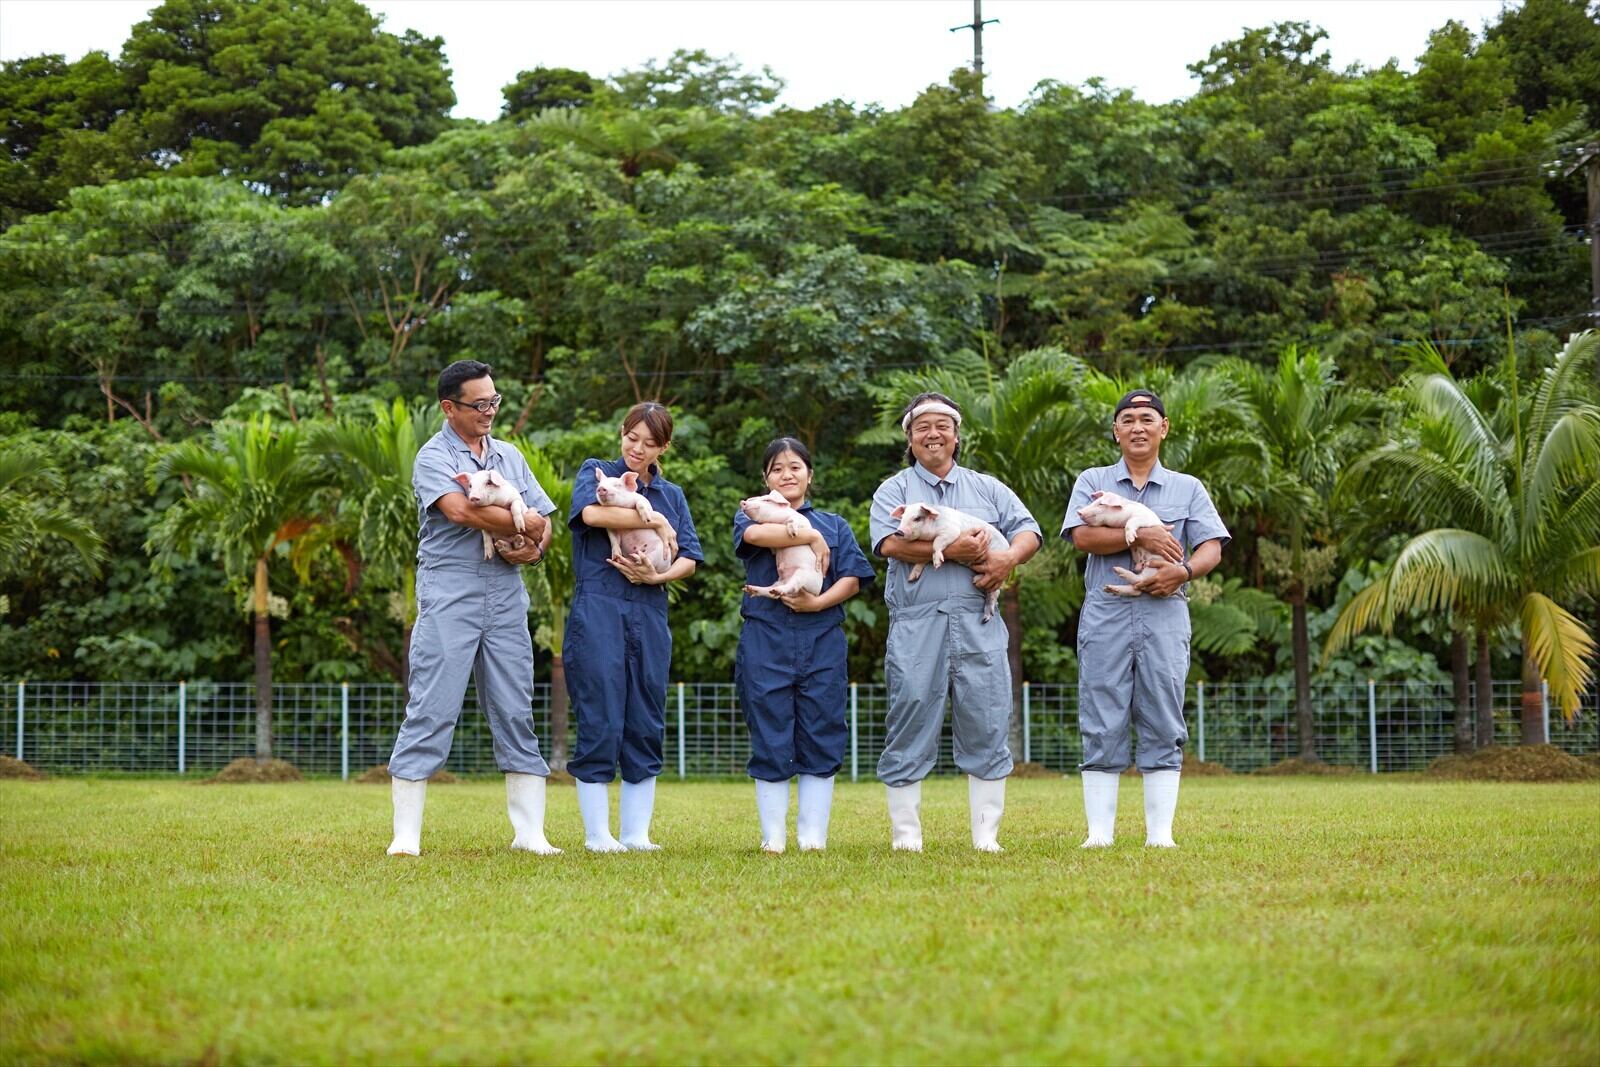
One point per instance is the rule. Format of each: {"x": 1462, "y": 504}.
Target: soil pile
{"x": 1032, "y": 770}
{"x": 1515, "y": 763}
{"x": 250, "y": 770}
{"x": 379, "y": 775}
{"x": 15, "y": 768}
{"x": 1301, "y": 765}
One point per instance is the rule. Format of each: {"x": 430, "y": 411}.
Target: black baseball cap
{"x": 1140, "y": 398}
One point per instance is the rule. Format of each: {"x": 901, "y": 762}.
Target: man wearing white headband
{"x": 940, "y": 648}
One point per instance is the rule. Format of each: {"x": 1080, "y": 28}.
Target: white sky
{"x": 862, "y": 50}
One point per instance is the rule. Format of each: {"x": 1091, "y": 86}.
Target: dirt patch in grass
{"x": 1591, "y": 758}
{"x": 15, "y": 768}
{"x": 1301, "y": 765}
{"x": 1032, "y": 770}
{"x": 1515, "y": 763}
{"x": 379, "y": 775}
{"x": 250, "y": 770}
{"x": 562, "y": 778}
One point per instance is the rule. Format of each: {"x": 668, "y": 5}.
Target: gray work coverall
{"x": 1133, "y": 652}
{"x": 472, "y": 620}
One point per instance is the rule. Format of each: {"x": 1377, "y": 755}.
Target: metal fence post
{"x": 1027, "y": 725}
{"x": 21, "y": 687}
{"x": 183, "y": 708}
{"x": 855, "y": 736}
{"x": 1372, "y": 722}
{"x": 1200, "y": 710}
{"x": 1544, "y": 704}
{"x": 683, "y": 767}
{"x": 344, "y": 731}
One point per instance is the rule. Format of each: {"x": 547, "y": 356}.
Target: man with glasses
{"x": 1133, "y": 652}
{"x": 472, "y": 614}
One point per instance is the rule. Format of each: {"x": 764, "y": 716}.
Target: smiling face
{"x": 789, "y": 475}
{"x": 464, "y": 418}
{"x": 933, "y": 441}
{"x": 639, "y": 447}
{"x": 1139, "y": 432}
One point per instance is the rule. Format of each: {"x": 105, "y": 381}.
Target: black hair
{"x": 656, "y": 418}
{"x": 459, "y": 373}
{"x": 779, "y": 446}
{"x": 923, "y": 398}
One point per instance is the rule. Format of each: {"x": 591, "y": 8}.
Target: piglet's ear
{"x": 898, "y": 512}
{"x": 495, "y": 479}
{"x": 599, "y": 477}
{"x": 932, "y": 513}
{"x": 631, "y": 480}
{"x": 1097, "y": 494}
{"x": 465, "y": 480}
{"x": 777, "y": 497}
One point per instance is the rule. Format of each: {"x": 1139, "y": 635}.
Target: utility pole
{"x": 1589, "y": 157}
{"x": 976, "y": 26}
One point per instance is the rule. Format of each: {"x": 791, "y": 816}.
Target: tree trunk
{"x": 1304, "y": 724}
{"x": 1011, "y": 612}
{"x": 1485, "y": 690}
{"x": 1532, "y": 702}
{"x": 558, "y": 714}
{"x": 1460, "y": 670}
{"x": 263, "y": 666}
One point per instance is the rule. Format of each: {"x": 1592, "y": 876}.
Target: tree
{"x": 697, "y": 79}
{"x": 1521, "y": 480}
{"x": 254, "y": 492}
{"x": 1310, "y": 423}
{"x": 542, "y": 87}
{"x": 33, "y": 515}
{"x": 372, "y": 461}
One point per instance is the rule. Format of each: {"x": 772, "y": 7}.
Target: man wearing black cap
{"x": 1133, "y": 652}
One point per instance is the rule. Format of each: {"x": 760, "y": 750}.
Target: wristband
{"x": 1188, "y": 570}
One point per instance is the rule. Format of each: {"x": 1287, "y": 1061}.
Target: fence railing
{"x": 189, "y": 727}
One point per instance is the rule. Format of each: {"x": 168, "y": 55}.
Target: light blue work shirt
{"x": 1178, "y": 499}
{"x": 979, "y": 495}
{"x": 441, "y": 542}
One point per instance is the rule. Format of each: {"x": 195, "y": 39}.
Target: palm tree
{"x": 1310, "y": 423}
{"x": 1519, "y": 483}
{"x": 253, "y": 491}
{"x": 372, "y": 461}
{"x": 32, "y": 514}
{"x": 550, "y": 588}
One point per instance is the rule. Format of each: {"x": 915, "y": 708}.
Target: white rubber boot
{"x": 905, "y": 816}
{"x": 594, "y": 802}
{"x": 1160, "y": 802}
{"x": 409, "y": 798}
{"x": 636, "y": 805}
{"x": 815, "y": 804}
{"x": 772, "y": 807}
{"x": 1100, "y": 807}
{"x": 987, "y": 799}
{"x": 525, "y": 804}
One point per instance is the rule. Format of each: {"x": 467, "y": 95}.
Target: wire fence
{"x": 198, "y": 727}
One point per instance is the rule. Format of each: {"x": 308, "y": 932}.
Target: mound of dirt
{"x": 379, "y": 775}
{"x": 1301, "y": 765}
{"x": 250, "y": 770}
{"x": 1515, "y": 763}
{"x": 1032, "y": 770}
{"x": 1192, "y": 765}
{"x": 15, "y": 768}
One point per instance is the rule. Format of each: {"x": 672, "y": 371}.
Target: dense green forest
{"x": 235, "y": 257}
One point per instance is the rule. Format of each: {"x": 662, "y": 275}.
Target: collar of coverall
{"x": 933, "y": 479}
{"x": 1158, "y": 473}
{"x": 462, "y": 446}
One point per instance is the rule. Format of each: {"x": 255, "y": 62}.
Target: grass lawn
{"x": 1302, "y": 921}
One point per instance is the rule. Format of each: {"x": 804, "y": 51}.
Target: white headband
{"x": 929, "y": 407}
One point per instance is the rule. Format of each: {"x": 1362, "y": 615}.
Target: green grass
{"x": 1301, "y": 921}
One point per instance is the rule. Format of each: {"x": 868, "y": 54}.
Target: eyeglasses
{"x": 482, "y": 407}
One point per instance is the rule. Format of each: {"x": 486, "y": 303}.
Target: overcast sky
{"x": 861, "y": 50}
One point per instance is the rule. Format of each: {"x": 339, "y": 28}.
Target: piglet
{"x": 486, "y": 488}
{"x": 1109, "y": 509}
{"x": 798, "y": 565}
{"x": 923, "y": 522}
{"x": 641, "y": 546}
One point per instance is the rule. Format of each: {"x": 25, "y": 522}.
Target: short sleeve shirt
{"x": 433, "y": 475}
{"x": 979, "y": 495}
{"x": 1179, "y": 499}
{"x": 591, "y": 545}
{"x": 845, "y": 559}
